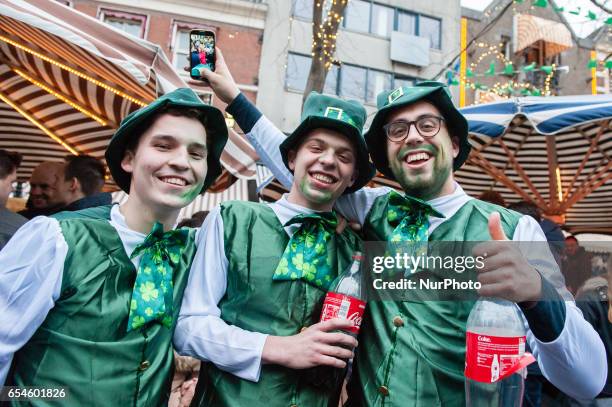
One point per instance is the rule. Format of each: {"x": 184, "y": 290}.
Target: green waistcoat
{"x": 83, "y": 344}
{"x": 418, "y": 360}
{"x": 254, "y": 243}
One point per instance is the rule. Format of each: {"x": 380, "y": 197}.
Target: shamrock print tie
{"x": 153, "y": 288}
{"x": 410, "y": 218}
{"x": 308, "y": 255}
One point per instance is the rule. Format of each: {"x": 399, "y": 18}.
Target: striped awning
{"x": 554, "y": 151}
{"x": 67, "y": 80}
{"x": 529, "y": 29}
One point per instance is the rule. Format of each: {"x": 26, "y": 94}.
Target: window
{"x": 347, "y": 81}
{"x": 378, "y": 81}
{"x": 331, "y": 81}
{"x": 430, "y": 28}
{"x": 130, "y": 23}
{"x": 303, "y": 9}
{"x": 357, "y": 16}
{"x": 298, "y": 67}
{"x": 399, "y": 81}
{"x": 406, "y": 22}
{"x": 180, "y": 48}
{"x": 382, "y": 20}
{"x": 352, "y": 82}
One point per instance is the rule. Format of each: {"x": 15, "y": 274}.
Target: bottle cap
{"x": 358, "y": 256}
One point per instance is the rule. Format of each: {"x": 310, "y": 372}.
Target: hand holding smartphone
{"x": 201, "y": 52}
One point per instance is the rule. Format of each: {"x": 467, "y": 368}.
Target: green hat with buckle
{"x": 182, "y": 98}
{"x": 344, "y": 116}
{"x": 433, "y": 92}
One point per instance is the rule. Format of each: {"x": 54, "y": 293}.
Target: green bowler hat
{"x": 344, "y": 116}
{"x": 433, "y": 92}
{"x": 182, "y": 98}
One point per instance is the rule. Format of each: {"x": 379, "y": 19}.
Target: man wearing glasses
{"x": 412, "y": 352}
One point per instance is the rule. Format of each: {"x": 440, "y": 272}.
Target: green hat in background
{"x": 344, "y": 116}
{"x": 182, "y": 98}
{"x": 433, "y": 92}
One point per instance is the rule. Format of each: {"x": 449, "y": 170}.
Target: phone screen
{"x": 201, "y": 52}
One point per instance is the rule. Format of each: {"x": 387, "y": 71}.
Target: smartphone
{"x": 201, "y": 52}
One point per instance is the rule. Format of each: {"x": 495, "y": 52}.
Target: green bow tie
{"x": 410, "y": 218}
{"x": 310, "y": 254}
{"x": 152, "y": 294}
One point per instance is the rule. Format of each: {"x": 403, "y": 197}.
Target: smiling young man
{"x": 414, "y": 351}
{"x": 273, "y": 264}
{"x": 89, "y": 299}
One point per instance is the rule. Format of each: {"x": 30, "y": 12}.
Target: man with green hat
{"x": 89, "y": 299}
{"x": 262, "y": 271}
{"x": 413, "y": 352}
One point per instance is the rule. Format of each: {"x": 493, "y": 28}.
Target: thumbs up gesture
{"x": 506, "y": 272}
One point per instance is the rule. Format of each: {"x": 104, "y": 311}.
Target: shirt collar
{"x": 118, "y": 221}
{"x": 286, "y": 210}
{"x": 447, "y": 205}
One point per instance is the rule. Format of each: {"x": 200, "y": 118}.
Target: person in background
{"x": 84, "y": 178}
{"x": 593, "y": 299}
{"x": 46, "y": 190}
{"x": 552, "y": 231}
{"x": 493, "y": 197}
{"x": 576, "y": 264}
{"x": 9, "y": 221}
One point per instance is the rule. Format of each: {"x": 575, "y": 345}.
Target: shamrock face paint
{"x": 422, "y": 166}
{"x": 169, "y": 165}
{"x": 323, "y": 167}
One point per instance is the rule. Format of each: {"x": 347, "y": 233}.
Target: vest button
{"x": 398, "y": 321}
{"x": 144, "y": 365}
{"x": 384, "y": 390}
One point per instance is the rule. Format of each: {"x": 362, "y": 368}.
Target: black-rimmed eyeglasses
{"x": 426, "y": 126}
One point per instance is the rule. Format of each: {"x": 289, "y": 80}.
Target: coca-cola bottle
{"x": 495, "y": 358}
{"x": 345, "y": 299}
{"x": 346, "y": 296}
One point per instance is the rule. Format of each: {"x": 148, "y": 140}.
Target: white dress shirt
{"x": 31, "y": 278}
{"x": 200, "y": 331}
{"x": 575, "y": 361}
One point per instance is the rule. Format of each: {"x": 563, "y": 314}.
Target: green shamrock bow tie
{"x": 310, "y": 254}
{"x": 410, "y": 218}
{"x": 152, "y": 294}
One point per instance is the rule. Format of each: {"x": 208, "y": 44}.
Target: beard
{"x": 423, "y": 185}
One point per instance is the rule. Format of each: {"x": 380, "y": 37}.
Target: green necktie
{"x": 308, "y": 255}
{"x": 410, "y": 218}
{"x": 152, "y": 294}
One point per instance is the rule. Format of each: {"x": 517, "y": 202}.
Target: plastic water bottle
{"x": 495, "y": 358}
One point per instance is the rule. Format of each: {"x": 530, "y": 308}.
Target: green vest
{"x": 411, "y": 353}
{"x": 254, "y": 243}
{"x": 82, "y": 345}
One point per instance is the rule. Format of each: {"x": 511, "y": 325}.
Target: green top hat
{"x": 433, "y": 92}
{"x": 183, "y": 98}
{"x": 344, "y": 116}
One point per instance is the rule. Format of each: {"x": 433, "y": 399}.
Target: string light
{"x": 60, "y": 97}
{"x": 38, "y": 124}
{"x": 73, "y": 71}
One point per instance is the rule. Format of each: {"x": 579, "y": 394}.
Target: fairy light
{"x": 73, "y": 71}
{"x": 38, "y": 124}
{"x": 60, "y": 97}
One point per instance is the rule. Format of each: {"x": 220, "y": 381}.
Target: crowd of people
{"x": 96, "y": 297}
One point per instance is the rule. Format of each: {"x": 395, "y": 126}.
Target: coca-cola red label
{"x": 343, "y": 306}
{"x": 492, "y": 358}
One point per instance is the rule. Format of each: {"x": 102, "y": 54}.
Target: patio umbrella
{"x": 67, "y": 80}
{"x": 553, "y": 151}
